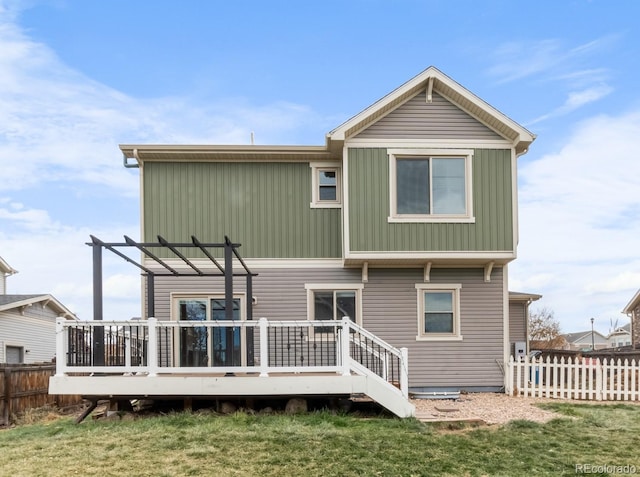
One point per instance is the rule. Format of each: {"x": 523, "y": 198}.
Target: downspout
{"x": 127, "y": 164}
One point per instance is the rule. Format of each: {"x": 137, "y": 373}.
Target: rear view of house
{"x": 404, "y": 221}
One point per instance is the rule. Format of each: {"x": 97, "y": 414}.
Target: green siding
{"x": 263, "y": 206}
{"x": 369, "y": 208}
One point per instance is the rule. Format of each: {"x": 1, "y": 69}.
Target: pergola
{"x": 218, "y": 270}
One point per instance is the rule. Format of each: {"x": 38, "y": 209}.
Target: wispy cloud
{"x": 59, "y": 131}
{"x": 57, "y": 124}
{"x": 518, "y": 60}
{"x": 551, "y": 61}
{"x": 575, "y": 100}
{"x": 579, "y": 221}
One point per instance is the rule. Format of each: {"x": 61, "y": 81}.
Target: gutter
{"x": 129, "y": 165}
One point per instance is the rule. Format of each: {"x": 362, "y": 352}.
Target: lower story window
{"x": 333, "y": 302}
{"x": 438, "y": 311}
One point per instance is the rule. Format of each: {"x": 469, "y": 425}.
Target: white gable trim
{"x": 363, "y": 119}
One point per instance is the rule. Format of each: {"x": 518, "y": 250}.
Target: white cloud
{"x": 60, "y": 129}
{"x": 517, "y": 60}
{"x": 551, "y": 62}
{"x": 580, "y": 222}
{"x": 58, "y": 125}
{"x": 575, "y": 100}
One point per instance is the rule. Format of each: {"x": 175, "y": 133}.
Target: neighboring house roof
{"x": 10, "y": 302}
{"x": 622, "y": 330}
{"x": 582, "y": 335}
{"x": 519, "y": 296}
{"x": 433, "y": 79}
{"x": 633, "y": 304}
{"x": 6, "y": 268}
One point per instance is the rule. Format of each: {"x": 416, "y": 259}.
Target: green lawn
{"x": 322, "y": 444}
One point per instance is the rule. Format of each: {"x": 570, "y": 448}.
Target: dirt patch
{"x": 492, "y": 408}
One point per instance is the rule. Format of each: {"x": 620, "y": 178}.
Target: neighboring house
{"x": 620, "y": 337}
{"x": 27, "y": 325}
{"x": 632, "y": 310}
{"x": 405, "y": 220}
{"x": 585, "y": 340}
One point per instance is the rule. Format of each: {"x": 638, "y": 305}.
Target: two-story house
{"x": 405, "y": 221}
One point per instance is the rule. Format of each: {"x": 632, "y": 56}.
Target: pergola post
{"x": 98, "y": 331}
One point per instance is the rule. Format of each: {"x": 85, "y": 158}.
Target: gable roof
{"x": 622, "y": 330}
{"x": 10, "y": 302}
{"x": 6, "y": 268}
{"x": 432, "y": 80}
{"x": 575, "y": 337}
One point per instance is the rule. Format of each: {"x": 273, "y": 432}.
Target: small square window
{"x": 328, "y": 185}
{"x": 325, "y": 186}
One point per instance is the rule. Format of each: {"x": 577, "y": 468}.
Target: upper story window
{"x": 326, "y": 186}
{"x": 430, "y": 185}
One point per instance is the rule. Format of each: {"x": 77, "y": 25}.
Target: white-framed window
{"x": 438, "y": 312}
{"x": 331, "y": 301}
{"x": 430, "y": 185}
{"x": 209, "y": 346}
{"x": 326, "y": 185}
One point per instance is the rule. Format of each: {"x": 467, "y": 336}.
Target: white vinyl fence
{"x": 578, "y": 378}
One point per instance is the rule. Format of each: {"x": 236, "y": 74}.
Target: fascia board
{"x": 635, "y": 301}
{"x": 6, "y": 268}
{"x": 59, "y": 307}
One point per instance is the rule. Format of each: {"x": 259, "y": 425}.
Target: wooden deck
{"x": 355, "y": 363}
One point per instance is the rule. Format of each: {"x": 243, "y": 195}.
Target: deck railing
{"x": 152, "y": 347}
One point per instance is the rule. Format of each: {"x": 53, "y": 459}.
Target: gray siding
{"x": 34, "y": 331}
{"x": 417, "y": 119}
{"x": 517, "y": 322}
{"x": 280, "y": 292}
{"x": 390, "y": 311}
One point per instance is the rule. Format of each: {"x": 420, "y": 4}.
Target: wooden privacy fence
{"x": 578, "y": 378}
{"x": 24, "y": 387}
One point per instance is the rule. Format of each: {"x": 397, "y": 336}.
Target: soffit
{"x": 206, "y": 153}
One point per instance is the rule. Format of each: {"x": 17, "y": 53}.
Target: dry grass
{"x": 320, "y": 444}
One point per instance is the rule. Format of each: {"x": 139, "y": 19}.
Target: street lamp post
{"x": 593, "y": 342}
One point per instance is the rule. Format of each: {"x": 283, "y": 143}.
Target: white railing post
{"x": 404, "y": 372}
{"x": 344, "y": 347}
{"x": 508, "y": 379}
{"x": 152, "y": 347}
{"x": 61, "y": 347}
{"x": 264, "y": 347}
{"x": 127, "y": 349}
{"x": 598, "y": 367}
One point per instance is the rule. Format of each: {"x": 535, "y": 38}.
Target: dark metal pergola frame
{"x": 230, "y": 250}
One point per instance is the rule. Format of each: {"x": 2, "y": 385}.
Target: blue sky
{"x": 80, "y": 77}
